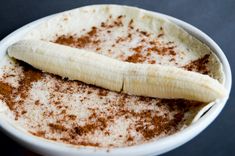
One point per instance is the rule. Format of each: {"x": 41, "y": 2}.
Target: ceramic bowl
{"x": 46, "y": 147}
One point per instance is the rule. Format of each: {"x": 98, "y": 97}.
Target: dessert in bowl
{"x": 58, "y": 116}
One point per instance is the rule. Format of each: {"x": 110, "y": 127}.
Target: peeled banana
{"x": 135, "y": 79}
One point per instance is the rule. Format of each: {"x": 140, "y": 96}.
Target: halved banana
{"x": 137, "y": 79}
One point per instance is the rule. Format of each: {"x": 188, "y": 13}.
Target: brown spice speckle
{"x": 199, "y": 65}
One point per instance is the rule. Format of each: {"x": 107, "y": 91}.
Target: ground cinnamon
{"x": 199, "y": 65}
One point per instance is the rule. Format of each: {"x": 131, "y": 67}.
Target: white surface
{"x": 160, "y": 146}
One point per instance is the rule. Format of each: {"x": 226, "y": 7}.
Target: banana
{"x": 135, "y": 79}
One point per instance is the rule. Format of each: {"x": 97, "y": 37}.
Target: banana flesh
{"x": 135, "y": 79}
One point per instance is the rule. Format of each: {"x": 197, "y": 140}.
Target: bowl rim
{"x": 159, "y": 146}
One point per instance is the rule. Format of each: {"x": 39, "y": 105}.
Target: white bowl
{"x": 46, "y": 147}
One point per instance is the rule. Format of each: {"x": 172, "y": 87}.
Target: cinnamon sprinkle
{"x": 135, "y": 58}
{"x": 145, "y": 33}
{"x": 138, "y": 49}
{"x": 199, "y": 65}
{"x": 6, "y": 92}
{"x": 38, "y": 133}
{"x": 92, "y": 40}
{"x": 130, "y": 25}
{"x": 9, "y": 92}
{"x": 57, "y": 127}
{"x": 102, "y": 92}
{"x": 6, "y": 89}
{"x": 81, "y": 42}
{"x": 30, "y": 75}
